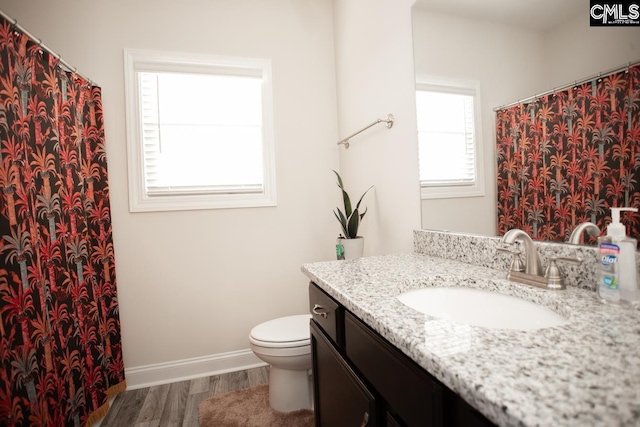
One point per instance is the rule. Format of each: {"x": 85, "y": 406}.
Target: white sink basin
{"x": 481, "y": 308}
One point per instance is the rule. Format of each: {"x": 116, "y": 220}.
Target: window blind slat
{"x": 447, "y": 155}
{"x": 187, "y": 156}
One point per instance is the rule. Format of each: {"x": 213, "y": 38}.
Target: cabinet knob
{"x": 315, "y": 311}
{"x": 365, "y": 420}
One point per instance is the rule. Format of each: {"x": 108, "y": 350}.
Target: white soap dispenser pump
{"x": 617, "y": 272}
{"x": 616, "y": 229}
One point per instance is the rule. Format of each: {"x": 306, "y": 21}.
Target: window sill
{"x": 199, "y": 202}
{"x": 451, "y": 192}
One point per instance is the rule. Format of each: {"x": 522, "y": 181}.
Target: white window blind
{"x": 448, "y": 140}
{"x": 199, "y": 131}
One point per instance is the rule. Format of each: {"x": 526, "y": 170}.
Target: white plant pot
{"x": 353, "y": 248}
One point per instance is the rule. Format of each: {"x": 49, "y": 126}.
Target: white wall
{"x": 375, "y": 76}
{"x": 508, "y": 63}
{"x": 193, "y": 284}
{"x": 575, "y": 51}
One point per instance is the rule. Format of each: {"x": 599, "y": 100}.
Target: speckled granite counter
{"x": 584, "y": 373}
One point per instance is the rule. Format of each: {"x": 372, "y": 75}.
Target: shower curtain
{"x": 568, "y": 157}
{"x": 60, "y": 344}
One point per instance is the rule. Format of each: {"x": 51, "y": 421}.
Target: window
{"x": 199, "y": 131}
{"x": 450, "y": 149}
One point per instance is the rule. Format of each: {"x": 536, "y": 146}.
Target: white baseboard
{"x": 186, "y": 369}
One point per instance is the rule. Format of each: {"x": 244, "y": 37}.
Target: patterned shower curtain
{"x": 568, "y": 157}
{"x": 60, "y": 347}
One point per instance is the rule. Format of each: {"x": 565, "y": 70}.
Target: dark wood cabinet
{"x": 341, "y": 399}
{"x": 392, "y": 422}
{"x": 357, "y": 371}
{"x": 411, "y": 394}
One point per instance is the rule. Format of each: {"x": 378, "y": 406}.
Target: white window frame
{"x": 135, "y": 61}
{"x": 471, "y": 87}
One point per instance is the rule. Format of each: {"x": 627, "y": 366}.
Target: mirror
{"x": 514, "y": 50}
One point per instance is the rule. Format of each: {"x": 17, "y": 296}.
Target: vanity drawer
{"x": 413, "y": 396}
{"x": 327, "y": 313}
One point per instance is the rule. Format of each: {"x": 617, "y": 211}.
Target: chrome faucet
{"x": 532, "y": 264}
{"x": 589, "y": 227}
{"x": 533, "y": 273}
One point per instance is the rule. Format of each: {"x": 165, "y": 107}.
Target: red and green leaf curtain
{"x": 568, "y": 157}
{"x": 60, "y": 346}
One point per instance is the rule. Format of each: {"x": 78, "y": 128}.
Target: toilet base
{"x": 289, "y": 390}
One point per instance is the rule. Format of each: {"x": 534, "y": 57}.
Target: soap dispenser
{"x": 617, "y": 271}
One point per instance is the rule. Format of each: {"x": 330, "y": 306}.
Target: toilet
{"x": 285, "y": 344}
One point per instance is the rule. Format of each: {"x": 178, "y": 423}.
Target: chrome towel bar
{"x": 388, "y": 121}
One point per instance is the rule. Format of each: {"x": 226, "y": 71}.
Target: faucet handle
{"x": 516, "y": 262}
{"x": 554, "y": 278}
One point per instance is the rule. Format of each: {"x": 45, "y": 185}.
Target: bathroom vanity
{"x": 361, "y": 379}
{"x": 378, "y": 362}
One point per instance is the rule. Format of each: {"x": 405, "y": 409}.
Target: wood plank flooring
{"x": 176, "y": 404}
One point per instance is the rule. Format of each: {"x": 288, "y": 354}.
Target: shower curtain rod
{"x": 388, "y": 121}
{"x": 568, "y": 85}
{"x": 74, "y": 70}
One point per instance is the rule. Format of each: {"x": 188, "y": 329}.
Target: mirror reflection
{"x": 511, "y": 51}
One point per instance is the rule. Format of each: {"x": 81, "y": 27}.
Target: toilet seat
{"x": 284, "y": 332}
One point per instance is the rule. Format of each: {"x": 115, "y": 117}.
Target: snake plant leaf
{"x": 345, "y": 197}
{"x": 339, "y": 179}
{"x": 354, "y": 223}
{"x": 342, "y": 220}
{"x": 362, "y": 197}
{"x": 363, "y": 213}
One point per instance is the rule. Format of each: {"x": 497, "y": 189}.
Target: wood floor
{"x": 176, "y": 404}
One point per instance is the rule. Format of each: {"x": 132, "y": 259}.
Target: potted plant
{"x": 349, "y": 245}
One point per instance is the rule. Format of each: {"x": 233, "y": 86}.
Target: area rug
{"x": 249, "y": 407}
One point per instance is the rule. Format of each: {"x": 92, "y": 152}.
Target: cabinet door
{"x": 412, "y": 395}
{"x": 459, "y": 413}
{"x": 392, "y": 422}
{"x": 340, "y": 398}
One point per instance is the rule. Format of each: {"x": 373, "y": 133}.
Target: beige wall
{"x": 374, "y": 69}
{"x": 194, "y": 283}
{"x": 575, "y": 51}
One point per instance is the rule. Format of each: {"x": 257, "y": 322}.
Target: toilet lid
{"x": 290, "y": 329}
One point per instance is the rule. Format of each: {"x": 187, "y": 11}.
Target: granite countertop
{"x": 586, "y": 372}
